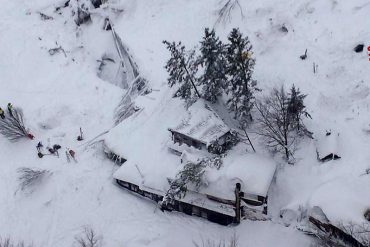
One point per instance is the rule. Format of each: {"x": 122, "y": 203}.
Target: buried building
{"x": 236, "y": 186}
{"x": 203, "y": 129}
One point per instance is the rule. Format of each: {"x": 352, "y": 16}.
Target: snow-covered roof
{"x": 202, "y": 123}
{"x": 343, "y": 200}
{"x": 254, "y": 172}
{"x": 143, "y": 140}
{"x": 328, "y": 143}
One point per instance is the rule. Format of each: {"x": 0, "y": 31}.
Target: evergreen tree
{"x": 240, "y": 85}
{"x": 182, "y": 68}
{"x": 297, "y": 109}
{"x": 213, "y": 61}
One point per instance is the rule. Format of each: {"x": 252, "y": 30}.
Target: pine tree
{"x": 182, "y": 69}
{"x": 213, "y": 60}
{"x": 297, "y": 109}
{"x": 240, "y": 85}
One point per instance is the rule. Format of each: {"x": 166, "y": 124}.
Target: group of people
{"x": 54, "y": 150}
{"x": 10, "y": 111}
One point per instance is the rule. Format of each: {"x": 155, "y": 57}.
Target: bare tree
{"x": 232, "y": 242}
{"x": 7, "y": 242}
{"x": 12, "y": 126}
{"x": 30, "y": 177}
{"x": 89, "y": 238}
{"x": 276, "y": 124}
{"x": 224, "y": 13}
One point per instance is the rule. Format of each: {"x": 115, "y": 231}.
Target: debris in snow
{"x": 284, "y": 29}
{"x": 224, "y": 13}
{"x": 45, "y": 17}
{"x": 12, "y": 126}
{"x": 66, "y": 4}
{"x": 304, "y": 56}
{"x": 80, "y": 137}
{"x": 53, "y": 51}
{"x": 107, "y": 25}
{"x": 359, "y": 48}
{"x": 31, "y": 177}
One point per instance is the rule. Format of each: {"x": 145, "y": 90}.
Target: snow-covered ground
{"x": 61, "y": 93}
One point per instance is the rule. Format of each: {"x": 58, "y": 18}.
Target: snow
{"x": 328, "y": 144}
{"x": 202, "y": 123}
{"x": 252, "y": 171}
{"x": 59, "y": 94}
{"x": 336, "y": 206}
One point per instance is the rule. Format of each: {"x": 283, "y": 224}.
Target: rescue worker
{"x": 39, "y": 146}
{"x": 56, "y": 147}
{"x": 10, "y": 109}
{"x": 2, "y": 114}
{"x": 72, "y": 153}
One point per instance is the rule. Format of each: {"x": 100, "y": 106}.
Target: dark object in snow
{"x": 56, "y": 146}
{"x": 367, "y": 214}
{"x": 66, "y": 4}
{"x": 327, "y": 147}
{"x": 114, "y": 157}
{"x": 80, "y": 137}
{"x": 29, "y": 135}
{"x": 304, "y": 56}
{"x": 51, "y": 150}
{"x": 45, "y": 17}
{"x": 83, "y": 15}
{"x": 10, "y": 109}
{"x": 107, "y": 25}
{"x": 359, "y": 48}
{"x": 2, "y": 113}
{"x": 72, "y": 153}
{"x": 40, "y": 155}
{"x": 53, "y": 51}
{"x": 284, "y": 29}
{"x": 39, "y": 146}
{"x": 97, "y": 3}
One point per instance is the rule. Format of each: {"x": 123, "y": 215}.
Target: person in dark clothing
{"x": 10, "y": 109}
{"x": 72, "y": 153}
{"x": 56, "y": 147}
{"x": 51, "y": 150}
{"x": 2, "y": 114}
{"x": 39, "y": 146}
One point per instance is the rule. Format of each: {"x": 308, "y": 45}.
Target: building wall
{"x": 179, "y": 206}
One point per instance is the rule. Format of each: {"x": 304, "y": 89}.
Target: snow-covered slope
{"x": 61, "y": 93}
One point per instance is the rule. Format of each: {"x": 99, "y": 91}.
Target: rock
{"x": 359, "y": 48}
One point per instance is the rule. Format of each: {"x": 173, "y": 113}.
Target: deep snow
{"x": 59, "y": 94}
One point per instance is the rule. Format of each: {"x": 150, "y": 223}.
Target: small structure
{"x": 203, "y": 129}
{"x": 328, "y": 146}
